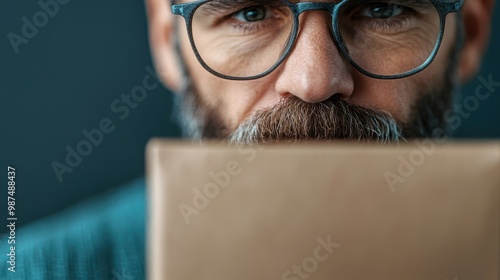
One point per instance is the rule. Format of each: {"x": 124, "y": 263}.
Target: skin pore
{"x": 315, "y": 73}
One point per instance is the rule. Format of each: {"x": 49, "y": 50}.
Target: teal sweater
{"x": 100, "y": 239}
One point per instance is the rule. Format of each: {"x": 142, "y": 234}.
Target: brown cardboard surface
{"x": 325, "y": 211}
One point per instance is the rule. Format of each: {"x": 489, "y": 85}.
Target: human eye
{"x": 252, "y": 14}
{"x": 259, "y": 18}
{"x": 385, "y": 17}
{"x": 242, "y": 16}
{"x": 388, "y": 16}
{"x": 382, "y": 10}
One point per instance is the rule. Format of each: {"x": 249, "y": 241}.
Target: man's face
{"x": 315, "y": 77}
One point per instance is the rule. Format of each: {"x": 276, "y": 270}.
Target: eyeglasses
{"x": 249, "y": 39}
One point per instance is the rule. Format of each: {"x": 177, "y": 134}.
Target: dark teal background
{"x": 65, "y": 79}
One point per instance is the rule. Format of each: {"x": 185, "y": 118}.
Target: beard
{"x": 293, "y": 120}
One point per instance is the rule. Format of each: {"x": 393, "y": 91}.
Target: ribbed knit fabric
{"x": 100, "y": 239}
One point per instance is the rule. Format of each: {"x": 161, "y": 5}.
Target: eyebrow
{"x": 217, "y": 6}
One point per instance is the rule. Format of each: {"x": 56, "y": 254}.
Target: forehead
{"x": 290, "y": 1}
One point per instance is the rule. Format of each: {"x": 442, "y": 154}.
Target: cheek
{"x": 233, "y": 101}
{"x": 399, "y": 96}
{"x": 393, "y": 96}
{"x": 438, "y": 67}
{"x": 208, "y": 87}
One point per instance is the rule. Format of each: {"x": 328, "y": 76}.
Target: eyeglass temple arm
{"x": 184, "y": 9}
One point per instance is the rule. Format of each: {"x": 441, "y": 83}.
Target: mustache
{"x": 293, "y": 120}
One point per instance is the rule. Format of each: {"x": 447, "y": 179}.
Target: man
{"x": 324, "y": 88}
{"x": 264, "y": 71}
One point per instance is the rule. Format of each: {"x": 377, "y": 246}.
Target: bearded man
{"x": 261, "y": 71}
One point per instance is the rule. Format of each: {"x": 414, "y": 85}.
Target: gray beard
{"x": 293, "y": 120}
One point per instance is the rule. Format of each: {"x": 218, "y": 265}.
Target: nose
{"x": 314, "y": 70}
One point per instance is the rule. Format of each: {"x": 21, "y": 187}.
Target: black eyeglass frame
{"x": 444, "y": 7}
